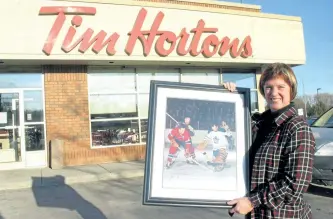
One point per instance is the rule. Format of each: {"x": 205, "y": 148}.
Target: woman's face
{"x": 277, "y": 93}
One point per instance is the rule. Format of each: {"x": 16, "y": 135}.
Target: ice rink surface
{"x": 190, "y": 176}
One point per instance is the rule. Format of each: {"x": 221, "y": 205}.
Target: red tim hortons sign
{"x": 164, "y": 42}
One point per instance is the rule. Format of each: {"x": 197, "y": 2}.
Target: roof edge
{"x": 157, "y": 4}
{"x": 215, "y": 2}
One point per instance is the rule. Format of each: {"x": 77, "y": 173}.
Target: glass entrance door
{"x": 12, "y": 151}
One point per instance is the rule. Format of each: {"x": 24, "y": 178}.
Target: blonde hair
{"x": 279, "y": 70}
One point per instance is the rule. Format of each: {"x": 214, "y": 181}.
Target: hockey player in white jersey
{"x": 220, "y": 144}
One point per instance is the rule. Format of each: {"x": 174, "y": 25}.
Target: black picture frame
{"x": 166, "y": 101}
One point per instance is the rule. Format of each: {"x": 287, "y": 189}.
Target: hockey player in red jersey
{"x": 180, "y": 139}
{"x": 190, "y": 130}
{"x": 187, "y": 122}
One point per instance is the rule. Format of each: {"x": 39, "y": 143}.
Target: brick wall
{"x": 205, "y": 5}
{"x": 67, "y": 118}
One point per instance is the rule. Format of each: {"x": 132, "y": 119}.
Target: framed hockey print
{"x": 197, "y": 142}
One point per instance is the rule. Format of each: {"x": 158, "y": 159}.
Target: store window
{"x": 34, "y": 120}
{"x": 119, "y": 99}
{"x": 112, "y": 81}
{"x": 113, "y": 105}
{"x": 247, "y": 80}
{"x": 33, "y": 106}
{"x": 34, "y": 137}
{"x": 30, "y": 83}
{"x": 201, "y": 76}
{"x": 145, "y": 75}
{"x": 118, "y": 102}
{"x": 20, "y": 80}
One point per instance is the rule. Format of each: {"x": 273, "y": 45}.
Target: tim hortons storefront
{"x": 75, "y": 74}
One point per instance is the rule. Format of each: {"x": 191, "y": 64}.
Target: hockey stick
{"x": 196, "y": 162}
{"x": 182, "y": 149}
{"x": 201, "y": 165}
{"x": 172, "y": 118}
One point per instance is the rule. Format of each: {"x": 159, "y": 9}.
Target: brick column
{"x": 67, "y": 118}
{"x": 66, "y": 106}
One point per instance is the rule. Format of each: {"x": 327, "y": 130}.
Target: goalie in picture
{"x": 219, "y": 141}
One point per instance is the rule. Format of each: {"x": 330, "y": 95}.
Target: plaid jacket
{"x": 282, "y": 168}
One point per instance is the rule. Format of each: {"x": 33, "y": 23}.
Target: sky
{"x": 317, "y": 18}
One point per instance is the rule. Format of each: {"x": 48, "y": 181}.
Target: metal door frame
{"x": 18, "y": 164}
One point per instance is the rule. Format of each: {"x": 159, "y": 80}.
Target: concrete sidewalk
{"x": 27, "y": 178}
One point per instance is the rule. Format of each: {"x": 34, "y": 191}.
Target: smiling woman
{"x": 278, "y": 86}
{"x": 281, "y": 154}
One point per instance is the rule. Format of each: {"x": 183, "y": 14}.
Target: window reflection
{"x": 16, "y": 80}
{"x": 254, "y": 101}
{"x": 201, "y": 76}
{"x": 146, "y": 75}
{"x": 9, "y": 109}
{"x": 115, "y": 132}
{"x": 143, "y": 105}
{"x": 33, "y": 106}
{"x": 112, "y": 81}
{"x": 113, "y": 106}
{"x": 144, "y": 129}
{"x": 34, "y": 137}
{"x": 247, "y": 80}
{"x": 10, "y": 146}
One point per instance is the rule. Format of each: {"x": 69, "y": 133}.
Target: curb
{"x": 69, "y": 180}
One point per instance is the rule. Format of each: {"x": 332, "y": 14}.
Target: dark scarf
{"x": 265, "y": 128}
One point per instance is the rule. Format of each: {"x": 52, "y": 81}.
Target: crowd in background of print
{"x": 202, "y": 113}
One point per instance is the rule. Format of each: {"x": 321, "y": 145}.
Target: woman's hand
{"x": 229, "y": 86}
{"x": 240, "y": 206}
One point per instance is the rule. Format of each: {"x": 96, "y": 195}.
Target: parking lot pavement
{"x": 321, "y": 200}
{"x": 118, "y": 199}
